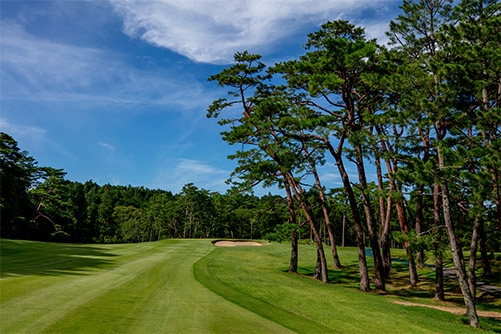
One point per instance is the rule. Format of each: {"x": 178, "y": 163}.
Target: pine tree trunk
{"x": 439, "y": 275}
{"x": 385, "y": 213}
{"x": 472, "y": 279}
{"x": 306, "y": 207}
{"x": 418, "y": 226}
{"x": 471, "y": 311}
{"x": 413, "y": 278}
{"x": 293, "y": 263}
{"x": 362, "y": 262}
{"x": 344, "y": 224}
{"x": 484, "y": 257}
{"x": 439, "y": 271}
{"x": 337, "y": 262}
{"x": 318, "y": 267}
{"x": 379, "y": 272}
{"x": 292, "y": 221}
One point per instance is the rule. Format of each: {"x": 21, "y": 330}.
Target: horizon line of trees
{"x": 38, "y": 203}
{"x": 425, "y": 112}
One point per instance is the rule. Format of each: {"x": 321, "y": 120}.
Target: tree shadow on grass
{"x": 348, "y": 275}
{"x": 21, "y": 258}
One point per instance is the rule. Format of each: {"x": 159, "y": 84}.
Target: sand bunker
{"x": 228, "y": 243}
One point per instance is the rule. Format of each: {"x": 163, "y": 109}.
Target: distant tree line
{"x": 38, "y": 203}
{"x": 424, "y": 112}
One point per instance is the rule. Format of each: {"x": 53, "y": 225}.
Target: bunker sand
{"x": 228, "y": 243}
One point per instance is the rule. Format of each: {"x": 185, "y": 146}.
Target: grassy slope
{"x": 253, "y": 277}
{"x": 153, "y": 287}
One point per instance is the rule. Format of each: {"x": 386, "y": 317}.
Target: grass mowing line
{"x": 204, "y": 274}
{"x": 144, "y": 288}
{"x": 55, "y": 301}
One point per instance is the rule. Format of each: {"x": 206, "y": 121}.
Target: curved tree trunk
{"x": 337, "y": 262}
{"x": 306, "y": 207}
{"x": 362, "y": 262}
{"x": 371, "y": 223}
{"x": 385, "y": 213}
{"x": 471, "y": 311}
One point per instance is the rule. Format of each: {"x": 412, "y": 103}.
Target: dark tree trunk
{"x": 418, "y": 225}
{"x": 306, "y": 207}
{"x": 318, "y": 267}
{"x": 486, "y": 266}
{"x": 399, "y": 204}
{"x": 471, "y": 311}
{"x": 337, "y": 262}
{"x": 472, "y": 279}
{"x": 292, "y": 220}
{"x": 294, "y": 254}
{"x": 362, "y": 262}
{"x": 344, "y": 224}
{"x": 439, "y": 271}
{"x": 385, "y": 213}
{"x": 371, "y": 224}
{"x": 413, "y": 278}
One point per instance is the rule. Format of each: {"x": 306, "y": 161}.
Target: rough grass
{"x": 179, "y": 286}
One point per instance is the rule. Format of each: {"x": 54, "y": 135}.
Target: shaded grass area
{"x": 132, "y": 288}
{"x": 494, "y": 260}
{"x": 21, "y": 258}
{"x": 256, "y": 277}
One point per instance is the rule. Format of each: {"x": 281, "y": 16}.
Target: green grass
{"x": 179, "y": 286}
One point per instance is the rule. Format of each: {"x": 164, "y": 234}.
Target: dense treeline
{"x": 38, "y": 203}
{"x": 424, "y": 112}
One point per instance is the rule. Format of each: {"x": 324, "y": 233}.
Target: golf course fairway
{"x": 189, "y": 286}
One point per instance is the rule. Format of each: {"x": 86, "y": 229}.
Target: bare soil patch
{"x": 455, "y": 310}
{"x": 229, "y": 243}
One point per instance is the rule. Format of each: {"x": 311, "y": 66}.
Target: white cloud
{"x": 43, "y": 70}
{"x": 175, "y": 174}
{"x": 212, "y": 31}
{"x": 23, "y": 132}
{"x": 107, "y": 146}
{"x": 196, "y": 167}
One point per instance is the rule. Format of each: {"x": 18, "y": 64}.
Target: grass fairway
{"x": 179, "y": 286}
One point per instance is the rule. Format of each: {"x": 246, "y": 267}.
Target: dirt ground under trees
{"x": 455, "y": 310}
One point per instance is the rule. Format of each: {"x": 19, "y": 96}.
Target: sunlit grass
{"x": 178, "y": 286}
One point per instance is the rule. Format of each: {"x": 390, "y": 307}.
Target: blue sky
{"x": 117, "y": 91}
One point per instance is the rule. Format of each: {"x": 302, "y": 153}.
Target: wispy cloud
{"x": 107, "y": 146}
{"x": 212, "y": 31}
{"x": 44, "y": 70}
{"x": 175, "y": 174}
{"x": 33, "y": 133}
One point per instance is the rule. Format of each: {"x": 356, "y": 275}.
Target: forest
{"x": 423, "y": 111}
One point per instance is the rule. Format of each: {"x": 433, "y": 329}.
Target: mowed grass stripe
{"x": 205, "y": 274}
{"x": 143, "y": 288}
{"x": 41, "y": 307}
